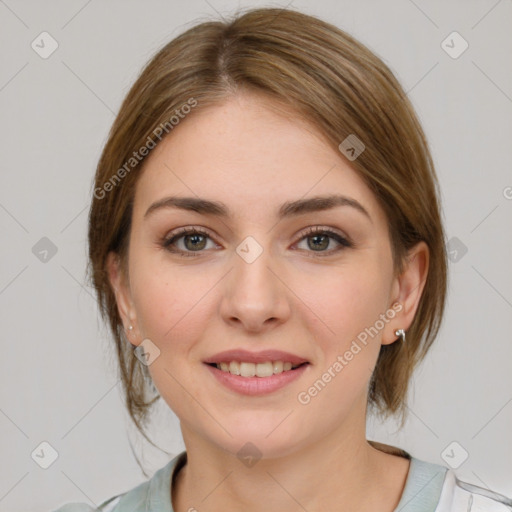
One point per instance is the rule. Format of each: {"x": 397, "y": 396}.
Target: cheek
{"x": 170, "y": 305}
{"x": 169, "y": 301}
{"x": 347, "y": 346}
{"x": 343, "y": 302}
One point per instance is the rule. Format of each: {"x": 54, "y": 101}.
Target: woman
{"x": 266, "y": 242}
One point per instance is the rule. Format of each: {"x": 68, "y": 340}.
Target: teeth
{"x": 234, "y": 368}
{"x": 259, "y": 370}
{"x": 278, "y": 366}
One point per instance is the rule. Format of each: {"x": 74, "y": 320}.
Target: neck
{"x": 342, "y": 468}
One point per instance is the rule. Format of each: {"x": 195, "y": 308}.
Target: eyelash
{"x": 316, "y": 230}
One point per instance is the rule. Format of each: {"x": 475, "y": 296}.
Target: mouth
{"x": 256, "y": 373}
{"x": 256, "y": 379}
{"x": 261, "y": 370}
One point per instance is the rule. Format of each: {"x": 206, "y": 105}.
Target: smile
{"x": 245, "y": 369}
{"x": 273, "y": 376}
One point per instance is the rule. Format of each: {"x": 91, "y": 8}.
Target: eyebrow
{"x": 288, "y": 209}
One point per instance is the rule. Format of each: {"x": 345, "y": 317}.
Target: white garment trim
{"x": 110, "y": 505}
{"x": 458, "y": 496}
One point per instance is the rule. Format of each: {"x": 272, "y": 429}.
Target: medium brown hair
{"x": 327, "y": 78}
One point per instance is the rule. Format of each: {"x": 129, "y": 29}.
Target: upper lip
{"x": 255, "y": 357}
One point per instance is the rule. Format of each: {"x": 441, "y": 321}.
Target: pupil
{"x": 195, "y": 245}
{"x": 322, "y": 246}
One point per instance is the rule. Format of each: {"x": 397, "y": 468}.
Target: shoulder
{"x": 76, "y": 507}
{"x": 433, "y": 487}
{"x": 460, "y": 496}
{"x": 134, "y": 500}
{"x": 131, "y": 501}
{"x": 153, "y": 494}
{"x": 111, "y": 505}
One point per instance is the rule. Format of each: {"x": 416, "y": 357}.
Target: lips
{"x": 257, "y": 385}
{"x": 255, "y": 357}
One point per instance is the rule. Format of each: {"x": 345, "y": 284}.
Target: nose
{"x": 255, "y": 297}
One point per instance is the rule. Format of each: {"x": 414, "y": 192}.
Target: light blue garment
{"x": 422, "y": 487}
{"x": 428, "y": 488}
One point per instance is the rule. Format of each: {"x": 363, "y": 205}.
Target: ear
{"x": 407, "y": 289}
{"x": 121, "y": 288}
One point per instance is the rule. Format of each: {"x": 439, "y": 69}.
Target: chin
{"x": 248, "y": 450}
{"x": 258, "y": 439}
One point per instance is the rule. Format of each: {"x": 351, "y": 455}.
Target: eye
{"x": 318, "y": 239}
{"x": 194, "y": 240}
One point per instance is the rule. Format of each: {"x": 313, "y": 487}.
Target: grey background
{"x": 58, "y": 376}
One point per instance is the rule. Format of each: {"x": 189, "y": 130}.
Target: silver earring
{"x": 130, "y": 328}
{"x": 400, "y": 333}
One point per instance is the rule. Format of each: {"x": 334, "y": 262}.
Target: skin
{"x": 293, "y": 297}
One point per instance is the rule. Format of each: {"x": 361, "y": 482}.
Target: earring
{"x": 130, "y": 328}
{"x": 400, "y": 333}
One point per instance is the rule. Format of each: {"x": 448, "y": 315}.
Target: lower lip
{"x": 256, "y": 385}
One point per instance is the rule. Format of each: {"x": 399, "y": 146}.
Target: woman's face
{"x": 257, "y": 279}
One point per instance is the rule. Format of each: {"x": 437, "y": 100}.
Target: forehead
{"x": 250, "y": 154}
